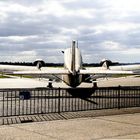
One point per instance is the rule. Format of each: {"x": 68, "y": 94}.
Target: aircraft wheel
{"x": 94, "y": 83}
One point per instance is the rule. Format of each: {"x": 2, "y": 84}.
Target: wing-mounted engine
{"x": 39, "y": 63}
{"x": 106, "y": 63}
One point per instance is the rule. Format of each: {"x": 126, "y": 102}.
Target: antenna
{"x": 77, "y": 43}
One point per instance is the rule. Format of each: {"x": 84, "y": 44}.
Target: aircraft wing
{"x": 33, "y": 70}
{"x": 94, "y": 71}
{"x": 113, "y": 70}
{"x": 16, "y": 68}
{"x": 57, "y": 71}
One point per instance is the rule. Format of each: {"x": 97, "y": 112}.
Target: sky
{"x": 43, "y": 28}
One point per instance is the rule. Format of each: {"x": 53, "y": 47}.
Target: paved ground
{"x": 125, "y": 126}
{"x": 32, "y": 83}
{"x": 123, "y": 81}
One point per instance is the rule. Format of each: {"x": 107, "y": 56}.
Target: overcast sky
{"x": 31, "y": 29}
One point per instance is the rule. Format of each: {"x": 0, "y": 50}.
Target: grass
{"x": 2, "y": 76}
{"x": 24, "y": 76}
{"x": 121, "y": 75}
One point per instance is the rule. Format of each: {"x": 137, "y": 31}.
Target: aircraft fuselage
{"x": 73, "y": 62}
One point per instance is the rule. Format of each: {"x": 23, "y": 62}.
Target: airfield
{"x": 17, "y": 82}
{"x": 88, "y": 125}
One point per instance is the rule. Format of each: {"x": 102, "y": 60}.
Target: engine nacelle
{"x": 39, "y": 63}
{"x": 106, "y": 63}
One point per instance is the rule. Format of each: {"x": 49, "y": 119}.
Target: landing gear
{"x": 50, "y": 84}
{"x": 94, "y": 82}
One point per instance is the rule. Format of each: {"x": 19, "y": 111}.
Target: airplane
{"x": 73, "y": 73}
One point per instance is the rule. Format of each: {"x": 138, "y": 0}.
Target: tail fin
{"x": 73, "y": 57}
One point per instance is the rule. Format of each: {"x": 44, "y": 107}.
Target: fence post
{"x": 3, "y": 104}
{"x": 59, "y": 100}
{"x": 119, "y": 90}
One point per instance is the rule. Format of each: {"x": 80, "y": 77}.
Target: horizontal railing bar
{"x": 30, "y": 101}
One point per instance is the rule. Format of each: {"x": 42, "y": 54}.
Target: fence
{"x": 16, "y": 102}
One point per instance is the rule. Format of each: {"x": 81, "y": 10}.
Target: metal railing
{"x": 16, "y": 102}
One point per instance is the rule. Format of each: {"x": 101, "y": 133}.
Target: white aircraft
{"x": 73, "y": 73}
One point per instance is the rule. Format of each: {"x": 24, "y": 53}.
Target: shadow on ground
{"x": 65, "y": 116}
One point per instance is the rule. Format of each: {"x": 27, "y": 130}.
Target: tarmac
{"x": 122, "y": 126}
{"x": 17, "y": 82}
{"x": 126, "y": 126}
